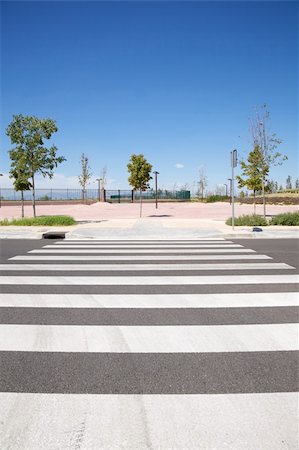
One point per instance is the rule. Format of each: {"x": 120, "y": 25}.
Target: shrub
{"x": 40, "y": 221}
{"x": 216, "y": 198}
{"x": 290, "y": 218}
{"x": 250, "y": 220}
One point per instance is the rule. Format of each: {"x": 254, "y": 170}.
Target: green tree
{"x": 30, "y": 155}
{"x": 140, "y": 174}
{"x": 297, "y": 183}
{"x": 254, "y": 171}
{"x": 289, "y": 182}
{"x": 21, "y": 183}
{"x": 267, "y": 142}
{"x": 86, "y": 173}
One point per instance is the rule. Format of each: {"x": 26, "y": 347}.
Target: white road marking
{"x": 234, "y": 421}
{"x": 145, "y": 267}
{"x": 148, "y": 248}
{"x": 145, "y": 252}
{"x": 254, "y": 300}
{"x": 149, "y": 280}
{"x": 149, "y": 339}
{"x": 136, "y": 257}
{"x": 142, "y": 241}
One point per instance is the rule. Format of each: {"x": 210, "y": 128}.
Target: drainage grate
{"x": 54, "y": 235}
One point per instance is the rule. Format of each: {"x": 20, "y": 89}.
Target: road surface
{"x": 149, "y": 344}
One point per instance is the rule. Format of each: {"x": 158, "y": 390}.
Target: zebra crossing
{"x": 161, "y": 344}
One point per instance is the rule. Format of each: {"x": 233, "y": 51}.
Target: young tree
{"x": 140, "y": 174}
{"x": 104, "y": 176}
{"x": 86, "y": 174}
{"x": 30, "y": 156}
{"x": 289, "y": 182}
{"x": 267, "y": 142}
{"x": 254, "y": 172}
{"x": 297, "y": 183}
{"x": 202, "y": 182}
{"x": 21, "y": 183}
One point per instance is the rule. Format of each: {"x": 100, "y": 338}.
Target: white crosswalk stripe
{"x": 126, "y": 349}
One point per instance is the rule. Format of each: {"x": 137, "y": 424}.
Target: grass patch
{"x": 40, "y": 221}
{"x": 290, "y": 219}
{"x": 252, "y": 220}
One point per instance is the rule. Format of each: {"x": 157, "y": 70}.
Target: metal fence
{"x": 111, "y": 196}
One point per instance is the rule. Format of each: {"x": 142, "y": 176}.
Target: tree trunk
{"x": 22, "y": 199}
{"x": 33, "y": 196}
{"x": 254, "y": 204}
{"x": 264, "y": 198}
{"x": 140, "y": 203}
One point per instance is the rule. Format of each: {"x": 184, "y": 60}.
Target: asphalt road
{"x": 190, "y": 344}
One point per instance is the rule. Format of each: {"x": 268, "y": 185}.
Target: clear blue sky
{"x": 176, "y": 81}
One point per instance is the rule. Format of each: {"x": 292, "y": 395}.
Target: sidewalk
{"x": 169, "y": 221}
{"x": 150, "y": 229}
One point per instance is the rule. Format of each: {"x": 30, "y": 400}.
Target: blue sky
{"x": 176, "y": 81}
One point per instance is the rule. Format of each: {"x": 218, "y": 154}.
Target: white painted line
{"x": 146, "y": 244}
{"x": 149, "y": 339}
{"x": 148, "y": 280}
{"x": 237, "y": 421}
{"x": 145, "y": 267}
{"x": 146, "y": 247}
{"x": 254, "y": 300}
{"x": 143, "y": 241}
{"x": 136, "y": 257}
{"x": 145, "y": 252}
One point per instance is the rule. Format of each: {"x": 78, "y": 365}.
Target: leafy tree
{"x": 30, "y": 156}
{"x": 267, "y": 142}
{"x": 276, "y": 186}
{"x": 280, "y": 188}
{"x": 140, "y": 174}
{"x": 289, "y": 182}
{"x": 21, "y": 183}
{"x": 254, "y": 171}
{"x": 297, "y": 183}
{"x": 86, "y": 174}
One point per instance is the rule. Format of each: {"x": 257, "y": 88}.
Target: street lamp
{"x": 99, "y": 187}
{"x": 234, "y": 161}
{"x": 156, "y": 187}
{"x": 230, "y": 190}
{"x": 1, "y": 175}
{"x": 224, "y": 184}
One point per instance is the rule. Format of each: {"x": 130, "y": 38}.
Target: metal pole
{"x": 230, "y": 190}
{"x": 233, "y": 164}
{"x": 156, "y": 187}
{"x": 1, "y": 175}
{"x": 233, "y": 200}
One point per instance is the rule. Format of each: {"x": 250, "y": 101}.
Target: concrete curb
{"x": 144, "y": 230}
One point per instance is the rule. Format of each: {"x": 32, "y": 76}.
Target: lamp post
{"x": 224, "y": 184}
{"x": 234, "y": 160}
{"x": 99, "y": 187}
{"x": 230, "y": 190}
{"x": 1, "y": 175}
{"x": 156, "y": 187}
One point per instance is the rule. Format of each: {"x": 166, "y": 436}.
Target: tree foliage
{"x": 267, "y": 142}
{"x": 30, "y": 156}
{"x": 254, "y": 171}
{"x": 86, "y": 173}
{"x": 289, "y": 182}
{"x": 140, "y": 174}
